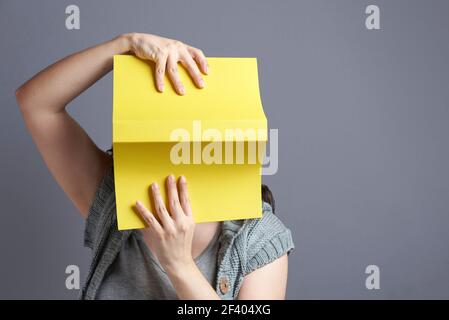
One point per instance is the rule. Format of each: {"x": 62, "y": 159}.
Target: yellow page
{"x": 144, "y": 122}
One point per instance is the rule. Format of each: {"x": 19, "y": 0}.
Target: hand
{"x": 166, "y": 53}
{"x": 171, "y": 235}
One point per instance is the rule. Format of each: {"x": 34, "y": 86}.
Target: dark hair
{"x": 267, "y": 195}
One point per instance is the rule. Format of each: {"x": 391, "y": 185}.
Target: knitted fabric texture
{"x": 245, "y": 245}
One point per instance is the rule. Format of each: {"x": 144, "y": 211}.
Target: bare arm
{"x": 75, "y": 161}
{"x": 266, "y": 283}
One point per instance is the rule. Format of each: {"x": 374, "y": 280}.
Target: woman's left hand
{"x": 171, "y": 234}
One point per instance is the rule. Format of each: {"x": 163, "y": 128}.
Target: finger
{"x": 184, "y": 196}
{"x": 173, "y": 198}
{"x": 159, "y": 206}
{"x": 172, "y": 65}
{"x": 200, "y": 59}
{"x": 193, "y": 70}
{"x": 148, "y": 217}
{"x": 161, "y": 62}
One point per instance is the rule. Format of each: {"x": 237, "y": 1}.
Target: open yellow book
{"x": 214, "y": 136}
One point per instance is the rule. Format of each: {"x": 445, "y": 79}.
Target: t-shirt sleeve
{"x": 267, "y": 240}
{"x": 100, "y": 211}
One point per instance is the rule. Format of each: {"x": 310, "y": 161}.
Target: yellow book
{"x": 214, "y": 136}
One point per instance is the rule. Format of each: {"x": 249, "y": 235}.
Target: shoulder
{"x": 264, "y": 240}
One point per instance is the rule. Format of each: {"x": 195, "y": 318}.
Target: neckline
{"x": 211, "y": 243}
{"x": 197, "y": 260}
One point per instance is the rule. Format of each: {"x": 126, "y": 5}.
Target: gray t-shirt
{"x": 136, "y": 273}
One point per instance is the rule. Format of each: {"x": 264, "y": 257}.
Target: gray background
{"x": 362, "y": 116}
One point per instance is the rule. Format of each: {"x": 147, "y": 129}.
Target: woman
{"x": 171, "y": 258}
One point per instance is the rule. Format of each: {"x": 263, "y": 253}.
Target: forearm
{"x": 190, "y": 284}
{"x": 54, "y": 87}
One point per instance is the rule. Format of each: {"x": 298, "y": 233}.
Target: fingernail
{"x": 138, "y": 203}
{"x": 171, "y": 178}
{"x": 201, "y": 83}
{"x": 182, "y": 179}
{"x": 207, "y": 68}
{"x": 155, "y": 186}
{"x": 161, "y": 88}
{"x": 182, "y": 90}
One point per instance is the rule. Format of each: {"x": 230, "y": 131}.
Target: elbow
{"x": 22, "y": 98}
{"x": 18, "y": 93}
{"x": 30, "y": 100}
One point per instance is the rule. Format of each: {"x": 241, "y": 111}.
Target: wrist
{"x": 181, "y": 270}
{"x": 124, "y": 42}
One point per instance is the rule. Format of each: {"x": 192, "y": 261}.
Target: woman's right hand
{"x": 166, "y": 53}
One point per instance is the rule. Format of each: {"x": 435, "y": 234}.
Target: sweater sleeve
{"x": 100, "y": 213}
{"x": 267, "y": 240}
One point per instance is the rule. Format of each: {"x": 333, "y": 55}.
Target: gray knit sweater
{"x": 245, "y": 245}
